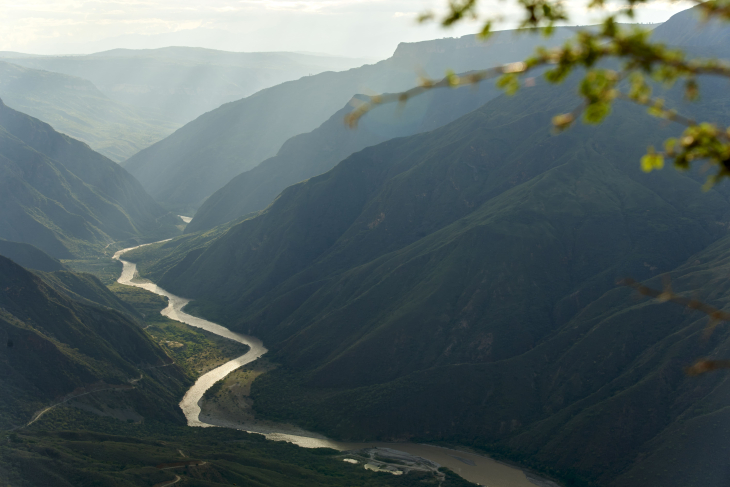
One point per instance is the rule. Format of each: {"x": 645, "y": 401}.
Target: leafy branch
{"x": 641, "y": 61}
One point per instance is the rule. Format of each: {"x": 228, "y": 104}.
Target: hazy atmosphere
{"x": 359, "y": 28}
{"x": 364, "y": 243}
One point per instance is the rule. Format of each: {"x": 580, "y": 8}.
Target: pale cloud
{"x": 370, "y": 28}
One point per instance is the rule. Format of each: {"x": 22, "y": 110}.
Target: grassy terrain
{"x": 230, "y": 398}
{"x": 75, "y": 107}
{"x": 153, "y": 261}
{"x": 196, "y": 351}
{"x": 71, "y": 447}
{"x": 105, "y": 269}
{"x": 60, "y": 344}
{"x": 460, "y": 286}
{"x": 59, "y": 195}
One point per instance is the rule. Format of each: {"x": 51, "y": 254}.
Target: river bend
{"x": 475, "y": 468}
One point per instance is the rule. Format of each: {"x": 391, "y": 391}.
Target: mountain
{"x": 182, "y": 170}
{"x": 62, "y": 197}
{"x": 75, "y": 107}
{"x": 54, "y": 346}
{"x": 688, "y": 29}
{"x": 87, "y": 289}
{"x": 29, "y": 256}
{"x": 181, "y": 83}
{"x": 314, "y": 153}
{"x": 459, "y": 286}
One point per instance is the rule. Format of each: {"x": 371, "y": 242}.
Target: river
{"x": 475, "y": 468}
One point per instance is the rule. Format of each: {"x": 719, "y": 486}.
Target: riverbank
{"x": 472, "y": 467}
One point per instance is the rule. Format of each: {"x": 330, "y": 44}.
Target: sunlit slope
{"x": 53, "y": 346}
{"x": 64, "y": 198}
{"x": 182, "y": 170}
{"x": 75, "y": 107}
{"x": 402, "y": 289}
{"x": 307, "y": 155}
{"x": 182, "y": 83}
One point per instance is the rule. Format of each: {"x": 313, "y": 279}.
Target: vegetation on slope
{"x": 314, "y": 153}
{"x": 75, "y": 107}
{"x": 69, "y": 447}
{"x": 64, "y": 198}
{"x": 194, "y": 350}
{"x": 54, "y": 347}
{"x": 435, "y": 287}
{"x": 182, "y": 170}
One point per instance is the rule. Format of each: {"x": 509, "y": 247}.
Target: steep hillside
{"x": 307, "y": 155}
{"x": 428, "y": 286}
{"x": 64, "y": 198}
{"x": 75, "y": 107}
{"x": 688, "y": 29}
{"x": 87, "y": 289}
{"x": 54, "y": 346}
{"x": 182, "y": 170}
{"x": 182, "y": 83}
{"x": 29, "y": 256}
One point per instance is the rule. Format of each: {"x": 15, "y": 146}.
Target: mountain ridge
{"x": 307, "y": 155}
{"x": 182, "y": 170}
{"x": 63, "y": 197}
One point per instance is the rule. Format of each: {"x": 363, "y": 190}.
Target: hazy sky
{"x": 358, "y": 28}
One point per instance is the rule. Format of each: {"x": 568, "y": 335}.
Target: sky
{"x": 354, "y": 28}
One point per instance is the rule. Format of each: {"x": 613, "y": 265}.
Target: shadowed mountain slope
{"x": 429, "y": 286}
{"x": 307, "y": 155}
{"x": 182, "y": 170}
{"x": 29, "y": 256}
{"x": 64, "y": 198}
{"x": 75, "y": 107}
{"x": 53, "y": 346}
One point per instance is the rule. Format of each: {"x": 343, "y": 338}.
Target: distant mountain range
{"x": 64, "y": 198}
{"x": 75, "y": 107}
{"x": 181, "y": 83}
{"x": 307, "y": 155}
{"x": 182, "y": 170}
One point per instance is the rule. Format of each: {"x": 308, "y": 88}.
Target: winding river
{"x": 475, "y": 468}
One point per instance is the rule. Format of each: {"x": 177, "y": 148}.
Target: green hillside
{"x": 307, "y": 155}
{"x": 69, "y": 448}
{"x": 87, "y": 289}
{"x": 182, "y": 170}
{"x": 62, "y": 197}
{"x": 460, "y": 285}
{"x": 75, "y": 107}
{"x": 54, "y": 347}
{"x": 89, "y": 399}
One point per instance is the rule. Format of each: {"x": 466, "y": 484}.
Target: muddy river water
{"x": 475, "y": 468}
